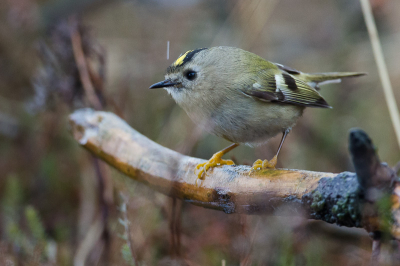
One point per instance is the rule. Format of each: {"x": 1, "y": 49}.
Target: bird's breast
{"x": 240, "y": 119}
{"x": 249, "y": 121}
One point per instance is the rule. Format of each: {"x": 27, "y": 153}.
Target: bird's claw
{"x": 261, "y": 165}
{"x": 215, "y": 160}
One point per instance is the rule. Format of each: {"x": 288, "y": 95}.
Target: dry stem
{"x": 383, "y": 72}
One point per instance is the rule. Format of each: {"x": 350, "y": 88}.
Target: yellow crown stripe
{"x": 179, "y": 61}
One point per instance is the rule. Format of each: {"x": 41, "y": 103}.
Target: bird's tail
{"x": 317, "y": 79}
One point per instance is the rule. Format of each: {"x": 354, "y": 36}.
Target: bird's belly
{"x": 255, "y": 125}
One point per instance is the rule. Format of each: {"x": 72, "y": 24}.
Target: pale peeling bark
{"x": 334, "y": 198}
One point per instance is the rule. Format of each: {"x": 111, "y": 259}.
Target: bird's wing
{"x": 277, "y": 85}
{"x": 287, "y": 69}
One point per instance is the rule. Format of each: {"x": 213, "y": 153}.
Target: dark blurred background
{"x": 58, "y": 206}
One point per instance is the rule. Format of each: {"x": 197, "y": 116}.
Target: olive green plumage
{"x": 240, "y": 96}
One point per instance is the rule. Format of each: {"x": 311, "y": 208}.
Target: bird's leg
{"x": 215, "y": 160}
{"x": 259, "y": 164}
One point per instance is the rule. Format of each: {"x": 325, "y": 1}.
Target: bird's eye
{"x": 190, "y": 75}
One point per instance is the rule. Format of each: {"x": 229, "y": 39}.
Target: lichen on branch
{"x": 333, "y": 198}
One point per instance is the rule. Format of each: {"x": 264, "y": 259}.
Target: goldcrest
{"x": 241, "y": 97}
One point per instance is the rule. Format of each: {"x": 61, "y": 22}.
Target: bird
{"x": 243, "y": 98}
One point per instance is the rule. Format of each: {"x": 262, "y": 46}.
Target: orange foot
{"x": 215, "y": 160}
{"x": 261, "y": 165}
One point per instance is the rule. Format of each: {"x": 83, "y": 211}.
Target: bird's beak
{"x": 163, "y": 84}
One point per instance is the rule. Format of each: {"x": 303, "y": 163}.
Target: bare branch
{"x": 334, "y": 198}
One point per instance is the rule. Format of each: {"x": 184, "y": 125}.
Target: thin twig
{"x": 105, "y": 197}
{"x": 383, "y": 72}
{"x": 125, "y": 222}
{"x": 376, "y": 248}
{"x": 105, "y": 200}
{"x": 82, "y": 67}
{"x": 174, "y": 236}
{"x": 91, "y": 238}
{"x": 247, "y": 259}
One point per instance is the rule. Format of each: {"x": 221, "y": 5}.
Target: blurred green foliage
{"x": 30, "y": 242}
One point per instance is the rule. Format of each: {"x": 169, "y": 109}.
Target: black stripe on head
{"x": 290, "y": 82}
{"x": 183, "y": 59}
{"x": 190, "y": 55}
